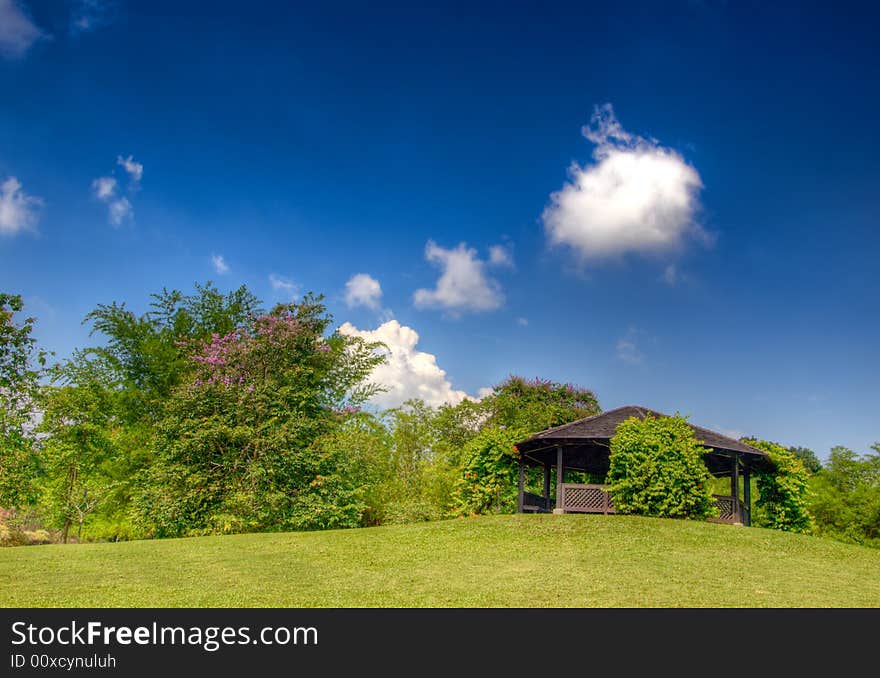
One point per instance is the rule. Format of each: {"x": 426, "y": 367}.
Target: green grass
{"x": 500, "y": 561}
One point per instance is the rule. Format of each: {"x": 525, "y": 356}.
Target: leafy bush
{"x": 782, "y": 492}
{"x": 489, "y": 475}
{"x": 657, "y": 469}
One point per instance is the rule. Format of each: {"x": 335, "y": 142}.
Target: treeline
{"x": 210, "y": 414}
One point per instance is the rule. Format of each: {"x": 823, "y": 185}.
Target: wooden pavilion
{"x": 583, "y": 445}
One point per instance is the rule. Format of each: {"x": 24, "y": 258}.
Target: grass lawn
{"x": 521, "y": 560}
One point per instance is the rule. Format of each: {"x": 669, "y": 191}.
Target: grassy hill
{"x": 485, "y": 562}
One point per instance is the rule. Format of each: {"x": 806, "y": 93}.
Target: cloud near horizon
{"x": 635, "y": 197}
{"x": 407, "y": 372}
{"x": 463, "y": 284}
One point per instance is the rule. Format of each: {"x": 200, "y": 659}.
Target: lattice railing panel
{"x": 726, "y": 509}
{"x": 586, "y": 499}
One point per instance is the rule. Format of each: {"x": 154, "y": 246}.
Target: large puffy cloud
{"x": 363, "y": 289}
{"x": 18, "y": 210}
{"x": 463, "y": 284}
{"x": 17, "y": 31}
{"x": 636, "y": 196}
{"x": 407, "y": 372}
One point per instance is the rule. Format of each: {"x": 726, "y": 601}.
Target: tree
{"x": 808, "y": 458}
{"x": 21, "y": 364}
{"x": 239, "y": 447}
{"x": 657, "y": 469}
{"x": 151, "y": 352}
{"x": 782, "y": 491}
{"x": 533, "y": 405}
{"x": 845, "y": 496}
{"x": 81, "y": 422}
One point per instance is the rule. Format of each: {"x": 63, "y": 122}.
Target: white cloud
{"x": 463, "y": 284}
{"x": 219, "y": 263}
{"x": 636, "y": 196}
{"x": 104, "y": 188}
{"x": 670, "y": 274}
{"x": 89, "y": 15}
{"x": 284, "y": 286}
{"x": 363, "y": 290}
{"x": 18, "y": 210}
{"x": 407, "y": 373}
{"x": 120, "y": 210}
{"x": 628, "y": 350}
{"x": 17, "y": 31}
{"x": 500, "y": 256}
{"x": 135, "y": 169}
{"x": 522, "y": 322}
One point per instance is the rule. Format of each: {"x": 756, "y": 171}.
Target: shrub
{"x": 657, "y": 469}
{"x": 489, "y": 473}
{"x": 782, "y": 492}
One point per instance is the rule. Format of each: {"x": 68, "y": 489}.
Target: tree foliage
{"x": 488, "y": 479}
{"x": 657, "y": 468}
{"x": 782, "y": 492}
{"x": 845, "y": 496}
{"x": 21, "y": 364}
{"x": 533, "y": 405}
{"x": 238, "y": 448}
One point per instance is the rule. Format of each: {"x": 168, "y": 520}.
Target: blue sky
{"x": 674, "y": 204}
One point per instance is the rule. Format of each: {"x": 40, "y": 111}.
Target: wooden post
{"x": 547, "y": 486}
{"x": 560, "y": 478}
{"x": 522, "y": 478}
{"x": 747, "y": 495}
{"x": 734, "y": 489}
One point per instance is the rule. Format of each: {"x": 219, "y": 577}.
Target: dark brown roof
{"x": 603, "y": 426}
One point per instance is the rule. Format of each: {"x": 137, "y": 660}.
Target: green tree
{"x": 150, "y": 352}
{"x": 782, "y": 491}
{"x": 845, "y": 496}
{"x": 21, "y": 363}
{"x": 808, "y": 458}
{"x": 79, "y": 419}
{"x": 239, "y": 448}
{"x": 533, "y": 405}
{"x": 657, "y": 468}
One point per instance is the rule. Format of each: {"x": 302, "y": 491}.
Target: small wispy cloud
{"x": 18, "y": 211}
{"x": 522, "y": 322}
{"x": 89, "y": 15}
{"x": 135, "y": 169}
{"x": 670, "y": 275}
{"x": 284, "y": 286}
{"x": 18, "y": 32}
{"x": 219, "y": 264}
{"x": 628, "y": 350}
{"x": 499, "y": 255}
{"x": 108, "y": 191}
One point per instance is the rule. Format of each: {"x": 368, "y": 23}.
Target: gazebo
{"x": 583, "y": 445}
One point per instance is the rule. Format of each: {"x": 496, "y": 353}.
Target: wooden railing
{"x": 729, "y": 509}
{"x": 585, "y": 499}
{"x": 533, "y": 503}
